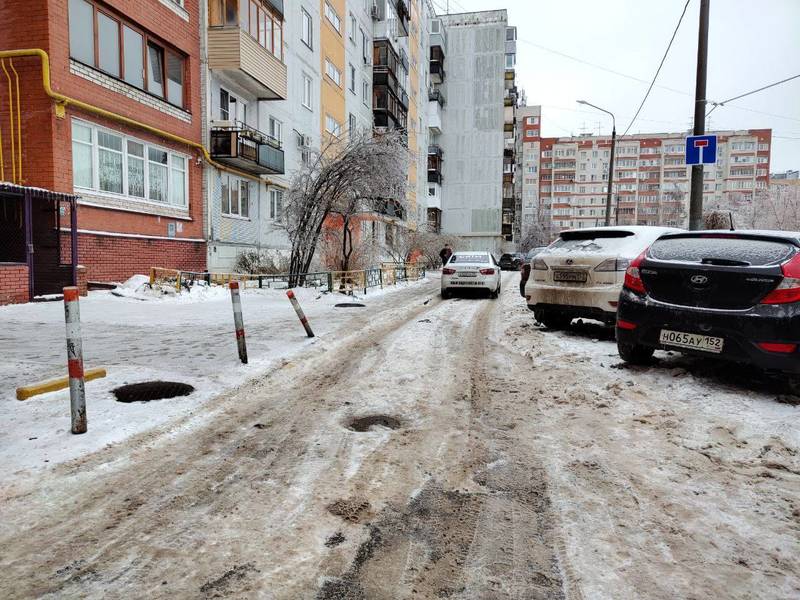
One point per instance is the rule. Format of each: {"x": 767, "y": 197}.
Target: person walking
{"x": 445, "y": 254}
{"x": 525, "y": 273}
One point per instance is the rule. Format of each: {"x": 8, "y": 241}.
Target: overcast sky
{"x": 751, "y": 43}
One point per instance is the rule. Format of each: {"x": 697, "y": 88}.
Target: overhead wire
{"x": 661, "y": 64}
{"x": 761, "y": 89}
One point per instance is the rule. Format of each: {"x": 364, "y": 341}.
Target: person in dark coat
{"x": 525, "y": 273}
{"x": 445, "y": 254}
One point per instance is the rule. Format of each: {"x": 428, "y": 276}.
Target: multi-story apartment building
{"x": 127, "y": 138}
{"x": 246, "y": 108}
{"x": 474, "y": 128}
{"x": 436, "y": 104}
{"x": 565, "y": 179}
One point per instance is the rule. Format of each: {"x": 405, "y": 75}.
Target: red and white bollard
{"x": 77, "y": 390}
{"x": 238, "y": 321}
{"x": 300, "y": 314}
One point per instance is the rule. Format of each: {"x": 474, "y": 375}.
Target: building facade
{"x": 474, "y": 128}
{"x": 564, "y": 180}
{"x": 127, "y": 138}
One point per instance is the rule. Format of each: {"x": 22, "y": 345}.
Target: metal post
{"x": 73, "y": 237}
{"x": 238, "y": 322}
{"x": 77, "y": 391}
{"x": 696, "y": 198}
{"x": 611, "y": 171}
{"x": 29, "y": 249}
{"x": 300, "y": 314}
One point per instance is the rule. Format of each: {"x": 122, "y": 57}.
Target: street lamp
{"x": 611, "y": 161}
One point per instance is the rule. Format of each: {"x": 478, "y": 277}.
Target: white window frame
{"x": 333, "y": 18}
{"x": 308, "y": 92}
{"x": 365, "y": 92}
{"x": 333, "y": 73}
{"x": 275, "y": 207}
{"x": 95, "y": 188}
{"x": 306, "y": 28}
{"x": 352, "y": 85}
{"x": 332, "y": 126}
{"x": 353, "y": 27}
{"x": 275, "y": 128}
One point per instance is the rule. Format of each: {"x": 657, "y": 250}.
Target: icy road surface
{"x": 525, "y": 463}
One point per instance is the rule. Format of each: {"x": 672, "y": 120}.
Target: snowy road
{"x": 525, "y": 464}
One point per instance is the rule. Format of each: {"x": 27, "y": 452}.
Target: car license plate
{"x": 706, "y": 343}
{"x": 467, "y": 274}
{"x": 576, "y": 276}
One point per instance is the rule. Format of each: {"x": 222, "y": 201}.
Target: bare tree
{"x": 355, "y": 172}
{"x": 406, "y": 243}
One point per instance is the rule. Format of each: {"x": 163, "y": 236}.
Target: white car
{"x": 471, "y": 271}
{"x": 582, "y": 272}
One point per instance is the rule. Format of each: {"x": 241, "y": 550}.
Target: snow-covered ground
{"x": 187, "y": 338}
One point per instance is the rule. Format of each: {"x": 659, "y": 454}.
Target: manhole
{"x": 151, "y": 390}
{"x": 367, "y": 423}
{"x": 349, "y": 305}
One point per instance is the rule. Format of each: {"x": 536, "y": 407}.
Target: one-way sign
{"x": 701, "y": 149}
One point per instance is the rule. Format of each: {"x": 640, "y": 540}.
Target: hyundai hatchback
{"x": 471, "y": 271}
{"x": 581, "y": 273}
{"x": 734, "y": 295}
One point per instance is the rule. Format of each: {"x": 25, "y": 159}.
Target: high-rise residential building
{"x": 564, "y": 180}
{"x": 436, "y": 104}
{"x": 139, "y": 185}
{"x": 252, "y": 110}
{"x": 475, "y": 126}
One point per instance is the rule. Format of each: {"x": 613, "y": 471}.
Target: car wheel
{"x": 555, "y": 320}
{"x": 495, "y": 293}
{"x": 634, "y": 353}
{"x": 445, "y": 294}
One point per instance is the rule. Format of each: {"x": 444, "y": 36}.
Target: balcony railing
{"x": 435, "y": 150}
{"x": 436, "y": 95}
{"x": 246, "y": 148}
{"x": 436, "y": 71}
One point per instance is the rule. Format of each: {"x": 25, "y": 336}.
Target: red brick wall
{"x": 13, "y": 284}
{"x": 83, "y": 285}
{"x": 117, "y": 258}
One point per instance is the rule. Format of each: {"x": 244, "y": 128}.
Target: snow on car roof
{"x": 637, "y": 239}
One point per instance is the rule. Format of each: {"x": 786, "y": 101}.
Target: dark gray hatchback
{"x": 730, "y": 294}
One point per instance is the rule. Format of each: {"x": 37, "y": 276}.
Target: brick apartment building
{"x": 140, "y": 191}
{"x": 564, "y": 180}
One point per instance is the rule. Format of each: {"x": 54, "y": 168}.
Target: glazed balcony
{"x": 240, "y": 146}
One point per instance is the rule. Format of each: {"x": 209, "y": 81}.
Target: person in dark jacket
{"x": 445, "y": 254}
{"x": 525, "y": 273}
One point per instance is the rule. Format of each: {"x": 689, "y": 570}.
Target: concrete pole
{"x": 696, "y": 197}
{"x": 300, "y": 314}
{"x": 238, "y": 322}
{"x": 77, "y": 390}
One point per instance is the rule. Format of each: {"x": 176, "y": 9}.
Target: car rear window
{"x": 506, "y": 256}
{"x": 469, "y": 258}
{"x": 697, "y": 249}
{"x": 592, "y": 241}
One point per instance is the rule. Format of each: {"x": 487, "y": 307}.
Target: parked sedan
{"x": 471, "y": 271}
{"x": 730, "y": 294}
{"x": 581, "y": 273}
{"x": 511, "y": 261}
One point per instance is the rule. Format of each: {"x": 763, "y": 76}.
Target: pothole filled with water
{"x": 362, "y": 424}
{"x": 152, "y": 390}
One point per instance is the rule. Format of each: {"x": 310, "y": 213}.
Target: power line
{"x": 661, "y": 64}
{"x": 761, "y": 89}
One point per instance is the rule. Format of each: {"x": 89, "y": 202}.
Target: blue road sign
{"x": 701, "y": 149}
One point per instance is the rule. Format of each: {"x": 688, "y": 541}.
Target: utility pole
{"x": 696, "y": 198}
{"x": 611, "y": 159}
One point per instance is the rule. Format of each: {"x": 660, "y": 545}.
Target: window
{"x": 364, "y": 48}
{"x": 224, "y": 105}
{"x": 431, "y": 191}
{"x": 133, "y": 42}
{"x": 244, "y": 198}
{"x": 95, "y": 40}
{"x": 511, "y": 60}
{"x": 353, "y": 126}
{"x": 365, "y": 92}
{"x": 333, "y": 17}
{"x": 108, "y": 44}
{"x": 352, "y": 79}
{"x": 306, "y": 91}
{"x": 307, "y": 29}
{"x": 353, "y": 28}
{"x": 81, "y": 31}
{"x": 332, "y": 72}
{"x": 276, "y": 129}
{"x": 253, "y": 17}
{"x": 276, "y": 205}
{"x": 332, "y": 125}
{"x": 110, "y": 162}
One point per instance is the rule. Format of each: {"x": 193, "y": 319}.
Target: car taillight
{"x": 539, "y": 265}
{"x": 777, "y": 347}
{"x": 633, "y": 279}
{"x": 448, "y": 271}
{"x": 789, "y": 289}
{"x": 626, "y": 324}
{"x": 487, "y": 271}
{"x": 613, "y": 264}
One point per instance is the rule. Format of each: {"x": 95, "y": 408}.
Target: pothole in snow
{"x": 152, "y": 390}
{"x": 362, "y": 424}
{"x": 350, "y": 509}
{"x": 349, "y": 305}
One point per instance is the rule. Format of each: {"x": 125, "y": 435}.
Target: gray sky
{"x": 751, "y": 43}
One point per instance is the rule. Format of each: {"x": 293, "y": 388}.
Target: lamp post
{"x": 611, "y": 160}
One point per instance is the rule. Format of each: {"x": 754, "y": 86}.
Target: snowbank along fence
{"x": 344, "y": 281}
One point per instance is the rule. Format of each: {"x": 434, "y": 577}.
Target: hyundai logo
{"x": 699, "y": 280}
{"x": 569, "y": 261}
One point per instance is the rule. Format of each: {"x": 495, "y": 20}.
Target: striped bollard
{"x": 238, "y": 322}
{"x": 77, "y": 390}
{"x": 300, "y": 314}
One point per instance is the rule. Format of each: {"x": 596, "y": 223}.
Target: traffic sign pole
{"x": 696, "y": 198}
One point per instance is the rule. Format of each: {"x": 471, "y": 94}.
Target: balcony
{"x": 238, "y": 145}
{"x": 435, "y": 198}
{"x": 236, "y": 53}
{"x": 435, "y": 164}
{"x": 437, "y": 64}
{"x": 434, "y": 220}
